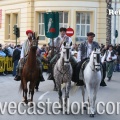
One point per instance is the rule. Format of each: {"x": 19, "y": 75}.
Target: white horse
{"x": 92, "y": 79}
{"x": 63, "y": 74}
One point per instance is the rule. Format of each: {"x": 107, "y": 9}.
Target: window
{"x": 82, "y": 25}
{"x": 63, "y": 19}
{"x": 41, "y": 29}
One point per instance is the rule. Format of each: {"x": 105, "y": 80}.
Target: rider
{"x": 84, "y": 51}
{"x": 58, "y": 43}
{"x": 23, "y": 57}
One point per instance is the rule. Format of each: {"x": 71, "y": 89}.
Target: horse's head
{"x": 66, "y": 51}
{"x": 96, "y": 59}
{"x": 34, "y": 43}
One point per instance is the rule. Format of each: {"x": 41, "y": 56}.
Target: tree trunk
{"x": 108, "y": 29}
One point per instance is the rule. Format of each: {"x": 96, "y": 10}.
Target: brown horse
{"x": 30, "y": 72}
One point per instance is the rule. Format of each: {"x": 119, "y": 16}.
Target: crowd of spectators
{"x": 9, "y": 50}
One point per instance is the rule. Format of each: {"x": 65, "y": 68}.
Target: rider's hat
{"x": 63, "y": 29}
{"x": 90, "y": 34}
{"x": 110, "y": 46}
{"x": 29, "y": 31}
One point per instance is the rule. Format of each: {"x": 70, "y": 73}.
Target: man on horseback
{"x": 23, "y": 58}
{"x": 84, "y": 51}
{"x": 58, "y": 43}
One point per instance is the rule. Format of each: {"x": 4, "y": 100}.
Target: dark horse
{"x": 30, "y": 72}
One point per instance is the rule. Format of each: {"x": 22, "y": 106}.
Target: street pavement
{"x": 9, "y": 91}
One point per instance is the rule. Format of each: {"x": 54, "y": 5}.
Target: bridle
{"x": 98, "y": 61}
{"x": 67, "y": 50}
{"x": 32, "y": 43}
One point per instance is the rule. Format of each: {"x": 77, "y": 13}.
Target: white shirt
{"x": 109, "y": 55}
{"x": 68, "y": 39}
{"x": 23, "y": 49}
{"x": 89, "y": 49}
{"x": 58, "y": 41}
{"x": 79, "y": 56}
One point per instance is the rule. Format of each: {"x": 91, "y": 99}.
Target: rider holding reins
{"x": 84, "y": 51}
{"x": 23, "y": 57}
{"x": 58, "y": 43}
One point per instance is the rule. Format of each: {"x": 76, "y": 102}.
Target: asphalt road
{"x": 9, "y": 92}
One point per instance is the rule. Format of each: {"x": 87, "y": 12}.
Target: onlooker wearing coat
{"x": 16, "y": 57}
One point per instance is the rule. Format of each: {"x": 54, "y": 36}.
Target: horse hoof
{"x": 84, "y": 108}
{"x": 36, "y": 90}
{"x": 67, "y": 113}
{"x": 31, "y": 104}
{"x": 61, "y": 109}
{"x": 91, "y": 115}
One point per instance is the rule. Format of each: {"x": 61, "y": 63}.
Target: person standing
{"x": 2, "y": 54}
{"x": 109, "y": 58}
{"x": 15, "y": 58}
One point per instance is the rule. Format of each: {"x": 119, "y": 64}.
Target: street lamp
{"x": 108, "y": 21}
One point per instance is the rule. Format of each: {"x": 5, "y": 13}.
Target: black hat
{"x": 110, "y": 46}
{"x": 63, "y": 29}
{"x": 91, "y": 34}
{"x": 18, "y": 46}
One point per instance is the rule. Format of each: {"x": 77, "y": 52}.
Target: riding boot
{"x": 78, "y": 81}
{"x": 42, "y": 78}
{"x": 50, "y": 77}
{"x": 103, "y": 83}
{"x": 18, "y": 76}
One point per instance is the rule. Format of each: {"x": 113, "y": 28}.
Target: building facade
{"x": 82, "y": 15}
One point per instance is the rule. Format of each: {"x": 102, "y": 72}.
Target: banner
{"x": 51, "y": 20}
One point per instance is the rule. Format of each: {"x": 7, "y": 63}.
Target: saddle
{"x": 83, "y": 66}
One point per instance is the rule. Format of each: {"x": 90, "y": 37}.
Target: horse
{"x": 92, "y": 79}
{"x": 30, "y": 72}
{"x": 63, "y": 74}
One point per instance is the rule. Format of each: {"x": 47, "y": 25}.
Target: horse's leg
{"x": 55, "y": 86}
{"x": 83, "y": 95}
{"x": 22, "y": 87}
{"x": 60, "y": 97}
{"x": 94, "y": 96}
{"x": 32, "y": 86}
{"x": 37, "y": 85}
{"x": 29, "y": 91}
{"x": 67, "y": 89}
{"x": 23, "y": 100}
{"x": 89, "y": 90}
{"x": 25, "y": 91}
